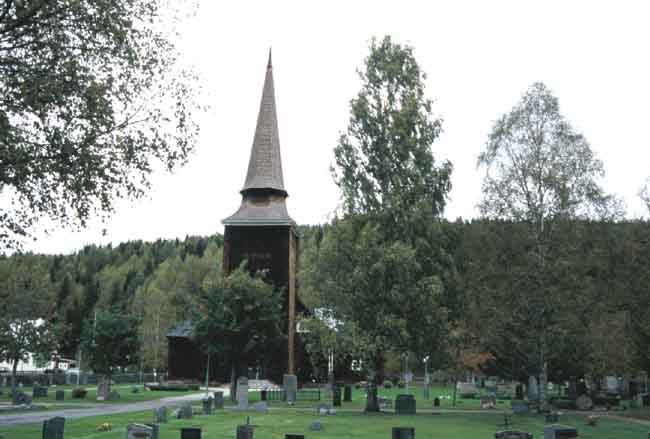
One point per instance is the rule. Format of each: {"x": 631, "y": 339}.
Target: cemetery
{"x": 375, "y": 302}
{"x": 348, "y": 421}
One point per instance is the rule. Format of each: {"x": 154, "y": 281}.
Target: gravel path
{"x": 98, "y": 410}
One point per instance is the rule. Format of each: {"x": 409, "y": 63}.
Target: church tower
{"x": 261, "y": 231}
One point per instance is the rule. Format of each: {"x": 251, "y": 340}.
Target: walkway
{"x": 101, "y": 409}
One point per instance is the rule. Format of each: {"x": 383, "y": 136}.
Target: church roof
{"x": 273, "y": 214}
{"x": 265, "y": 164}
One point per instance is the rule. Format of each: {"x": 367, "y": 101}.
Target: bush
{"x": 400, "y": 384}
{"x": 79, "y": 392}
{"x": 388, "y": 385}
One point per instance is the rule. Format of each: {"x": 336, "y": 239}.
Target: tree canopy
{"x": 94, "y": 96}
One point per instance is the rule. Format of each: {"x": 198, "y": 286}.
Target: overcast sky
{"x": 479, "y": 58}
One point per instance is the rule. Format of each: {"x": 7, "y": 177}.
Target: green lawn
{"x": 91, "y": 397}
{"x": 343, "y": 425}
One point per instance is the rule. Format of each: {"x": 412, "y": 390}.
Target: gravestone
{"x": 185, "y": 411}
{"x": 519, "y": 391}
{"x": 141, "y": 431}
{"x": 207, "y": 406}
{"x": 520, "y": 407}
{"x": 323, "y": 409}
{"x": 264, "y": 395}
{"x": 245, "y": 431}
{"x": 336, "y": 395}
{"x": 488, "y": 402}
{"x": 160, "y": 415}
{"x": 242, "y": 393}
{"x": 261, "y": 407}
{"x": 552, "y": 418}
{"x": 60, "y": 395}
{"x": 39, "y": 391}
{"x": 533, "y": 391}
{"x": 190, "y": 433}
{"x": 405, "y": 405}
{"x": 294, "y": 436}
{"x": 372, "y": 403}
{"x": 512, "y": 434}
{"x": 218, "y": 400}
{"x": 436, "y": 402}
{"x": 572, "y": 390}
{"x": 466, "y": 390}
{"x": 559, "y": 432}
{"x": 347, "y": 393}
{"x": 53, "y": 428}
{"x": 403, "y": 433}
{"x": 102, "y": 390}
{"x": 20, "y": 398}
{"x": 290, "y": 384}
{"x": 113, "y": 395}
{"x": 316, "y": 426}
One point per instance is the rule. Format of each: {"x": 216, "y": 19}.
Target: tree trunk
{"x": 13, "y": 375}
{"x": 453, "y": 404}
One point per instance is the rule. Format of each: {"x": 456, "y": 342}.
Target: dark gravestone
{"x": 436, "y": 402}
{"x": 190, "y": 433}
{"x": 60, "y": 395}
{"x": 372, "y": 402}
{"x": 39, "y": 391}
{"x": 207, "y": 406}
{"x": 511, "y": 434}
{"x": 519, "y": 391}
{"x": 559, "y": 432}
{"x": 572, "y": 391}
{"x": 403, "y": 433}
{"x": 294, "y": 436}
{"x": 336, "y": 396}
{"x": 218, "y": 400}
{"x": 264, "y": 395}
{"x": 347, "y": 393}
{"x": 552, "y": 418}
{"x": 53, "y": 428}
{"x": 316, "y": 426}
{"x": 405, "y": 405}
{"x": 245, "y": 431}
{"x": 185, "y": 411}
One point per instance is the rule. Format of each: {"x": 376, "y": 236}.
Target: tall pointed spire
{"x": 265, "y": 164}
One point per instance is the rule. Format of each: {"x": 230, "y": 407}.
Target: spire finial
{"x": 269, "y": 65}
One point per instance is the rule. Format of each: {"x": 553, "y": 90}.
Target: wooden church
{"x": 262, "y": 233}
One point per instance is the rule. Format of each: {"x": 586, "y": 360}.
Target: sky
{"x": 479, "y": 58}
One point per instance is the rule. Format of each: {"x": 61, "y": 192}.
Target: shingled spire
{"x": 264, "y": 195}
{"x": 265, "y": 164}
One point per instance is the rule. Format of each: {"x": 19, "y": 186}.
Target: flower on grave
{"x": 106, "y": 426}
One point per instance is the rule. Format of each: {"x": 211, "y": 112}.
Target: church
{"x": 262, "y": 233}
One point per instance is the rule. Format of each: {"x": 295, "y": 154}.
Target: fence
{"x": 60, "y": 378}
{"x": 301, "y": 395}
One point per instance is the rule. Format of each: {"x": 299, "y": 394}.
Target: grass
{"x": 343, "y": 425}
{"x": 91, "y": 397}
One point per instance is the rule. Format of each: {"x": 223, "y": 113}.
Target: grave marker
{"x": 141, "y": 431}
{"x": 160, "y": 415}
{"x": 512, "y": 434}
{"x": 347, "y": 393}
{"x": 290, "y": 384}
{"x": 336, "y": 395}
{"x": 190, "y": 433}
{"x": 245, "y": 431}
{"x": 559, "y": 432}
{"x": 207, "y": 406}
{"x": 53, "y": 428}
{"x": 403, "y": 433}
{"x": 242, "y": 393}
{"x": 218, "y": 400}
{"x": 405, "y": 405}
{"x": 60, "y": 395}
